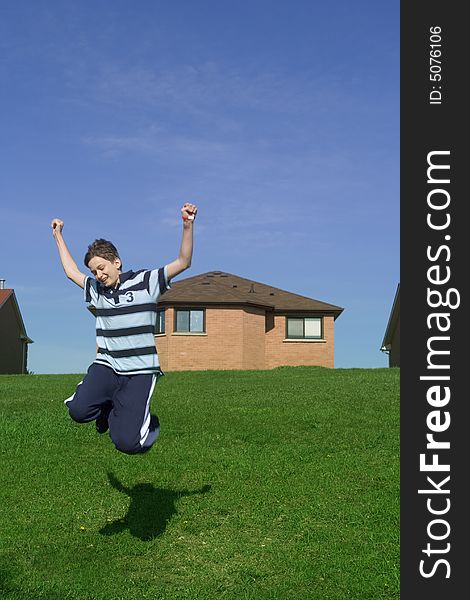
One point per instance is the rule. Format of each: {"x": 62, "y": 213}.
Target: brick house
{"x": 13, "y": 339}
{"x": 221, "y": 321}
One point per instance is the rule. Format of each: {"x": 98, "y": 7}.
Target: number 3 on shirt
{"x": 129, "y": 296}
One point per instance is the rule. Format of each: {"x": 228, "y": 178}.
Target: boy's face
{"x": 105, "y": 271}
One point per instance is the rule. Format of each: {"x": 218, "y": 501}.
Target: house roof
{"x": 5, "y": 294}
{"x": 392, "y": 321}
{"x": 219, "y": 287}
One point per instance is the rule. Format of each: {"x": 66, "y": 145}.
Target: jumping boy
{"x": 117, "y": 388}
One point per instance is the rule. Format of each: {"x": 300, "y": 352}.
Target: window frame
{"x": 157, "y": 322}
{"x": 188, "y": 331}
{"x": 304, "y": 337}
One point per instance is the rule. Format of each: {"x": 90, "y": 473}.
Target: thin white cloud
{"x": 199, "y": 89}
{"x": 158, "y": 142}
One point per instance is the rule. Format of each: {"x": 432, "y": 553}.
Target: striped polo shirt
{"x": 126, "y": 319}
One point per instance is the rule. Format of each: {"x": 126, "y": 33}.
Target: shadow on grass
{"x": 150, "y": 510}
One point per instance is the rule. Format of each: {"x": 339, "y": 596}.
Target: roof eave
{"x": 271, "y": 307}
{"x": 392, "y": 320}
{"x": 320, "y": 311}
{"x": 215, "y": 303}
{"x": 23, "y": 334}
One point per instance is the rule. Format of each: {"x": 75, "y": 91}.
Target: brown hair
{"x": 103, "y": 249}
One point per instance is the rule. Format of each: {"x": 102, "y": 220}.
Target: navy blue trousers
{"x": 127, "y": 397}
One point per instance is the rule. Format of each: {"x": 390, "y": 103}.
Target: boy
{"x": 117, "y": 388}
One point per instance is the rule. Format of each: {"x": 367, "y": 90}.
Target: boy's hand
{"x": 57, "y": 226}
{"x": 188, "y": 212}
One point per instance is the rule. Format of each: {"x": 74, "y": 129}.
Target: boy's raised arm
{"x": 183, "y": 262}
{"x": 70, "y": 266}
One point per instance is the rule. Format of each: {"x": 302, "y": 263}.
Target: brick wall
{"x": 295, "y": 353}
{"x": 236, "y": 338}
{"x": 254, "y": 342}
{"x": 221, "y": 347}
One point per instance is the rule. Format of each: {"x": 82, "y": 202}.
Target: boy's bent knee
{"x": 79, "y": 414}
{"x": 127, "y": 446}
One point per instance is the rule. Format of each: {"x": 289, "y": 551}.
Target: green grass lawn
{"x": 276, "y": 485}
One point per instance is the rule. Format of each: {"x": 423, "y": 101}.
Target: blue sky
{"x": 279, "y": 119}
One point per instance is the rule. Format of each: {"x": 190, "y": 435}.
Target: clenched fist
{"x": 189, "y": 211}
{"x": 57, "y": 226}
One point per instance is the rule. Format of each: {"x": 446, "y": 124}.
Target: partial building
{"x": 217, "y": 320}
{"x": 391, "y": 340}
{"x": 13, "y": 338}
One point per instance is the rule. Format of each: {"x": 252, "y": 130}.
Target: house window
{"x": 160, "y": 324}
{"x": 304, "y": 328}
{"x": 189, "y": 320}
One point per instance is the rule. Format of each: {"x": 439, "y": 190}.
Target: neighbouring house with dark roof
{"x": 13, "y": 338}
{"x": 391, "y": 341}
{"x": 221, "y": 321}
